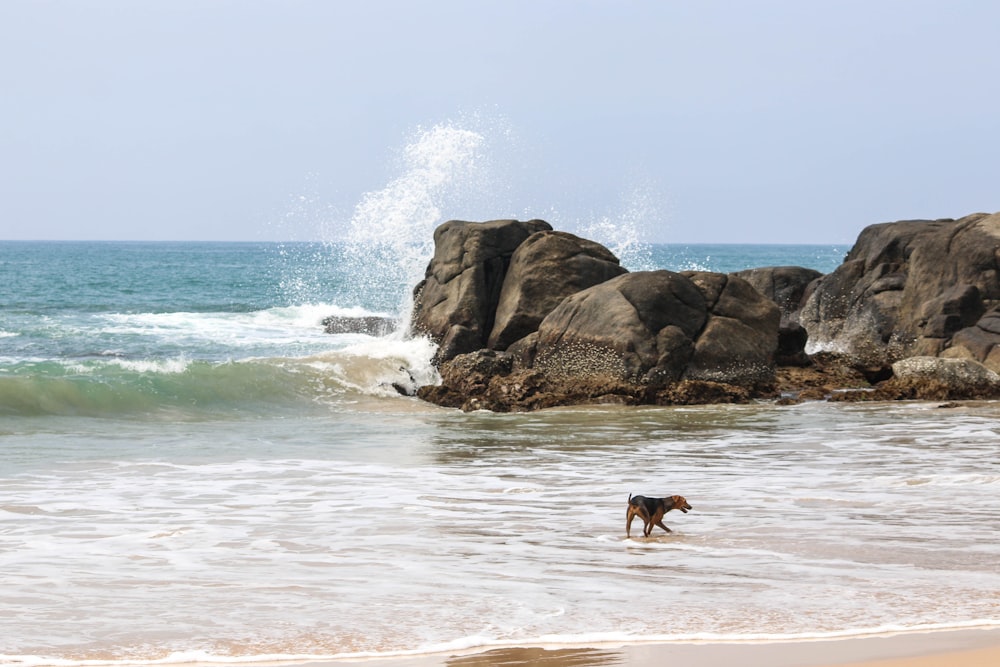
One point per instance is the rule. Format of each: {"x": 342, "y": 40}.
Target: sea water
{"x": 190, "y": 467}
{"x": 192, "y": 470}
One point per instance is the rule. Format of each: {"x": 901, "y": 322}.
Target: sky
{"x": 774, "y": 121}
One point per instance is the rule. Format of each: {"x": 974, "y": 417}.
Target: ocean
{"x": 191, "y": 470}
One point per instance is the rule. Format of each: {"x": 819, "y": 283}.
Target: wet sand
{"x": 958, "y": 648}
{"x": 966, "y": 648}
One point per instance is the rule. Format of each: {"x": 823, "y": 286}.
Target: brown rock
{"x": 788, "y": 287}
{"x": 455, "y": 304}
{"x": 905, "y": 288}
{"x": 612, "y": 330}
{"x": 546, "y": 268}
{"x": 738, "y": 344}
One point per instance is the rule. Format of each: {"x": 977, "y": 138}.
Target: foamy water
{"x": 404, "y": 528}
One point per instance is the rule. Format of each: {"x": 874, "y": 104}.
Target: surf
{"x": 181, "y": 388}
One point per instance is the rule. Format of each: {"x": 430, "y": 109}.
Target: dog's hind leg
{"x": 655, "y": 520}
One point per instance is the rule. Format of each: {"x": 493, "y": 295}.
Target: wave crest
{"x": 179, "y": 388}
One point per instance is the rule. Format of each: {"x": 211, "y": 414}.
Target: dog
{"x": 651, "y": 511}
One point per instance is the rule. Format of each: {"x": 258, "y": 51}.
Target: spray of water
{"x": 454, "y": 169}
{"x": 446, "y": 171}
{"x": 626, "y": 233}
{"x": 391, "y": 230}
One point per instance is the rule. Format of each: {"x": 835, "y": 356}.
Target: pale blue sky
{"x": 769, "y": 121}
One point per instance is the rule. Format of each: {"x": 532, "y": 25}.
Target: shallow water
{"x": 407, "y": 528}
{"x": 190, "y": 469}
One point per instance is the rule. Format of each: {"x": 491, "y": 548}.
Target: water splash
{"x": 626, "y": 233}
{"x": 408, "y": 208}
{"x": 391, "y": 234}
{"x": 460, "y": 169}
{"x": 373, "y": 256}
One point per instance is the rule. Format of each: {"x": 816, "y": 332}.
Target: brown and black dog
{"x": 651, "y": 511}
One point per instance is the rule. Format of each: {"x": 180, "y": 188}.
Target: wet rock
{"x": 788, "y": 287}
{"x": 370, "y": 325}
{"x": 913, "y": 312}
{"x": 738, "y": 343}
{"x": 455, "y": 305}
{"x": 905, "y": 288}
{"x": 980, "y": 342}
{"x": 636, "y": 326}
{"x": 962, "y": 378}
{"x": 547, "y": 267}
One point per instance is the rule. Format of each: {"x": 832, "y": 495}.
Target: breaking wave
{"x": 183, "y": 388}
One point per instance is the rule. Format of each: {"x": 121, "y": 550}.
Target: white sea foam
{"x": 268, "y": 331}
{"x": 164, "y": 366}
{"x": 476, "y": 644}
{"x": 373, "y": 512}
{"x": 380, "y": 366}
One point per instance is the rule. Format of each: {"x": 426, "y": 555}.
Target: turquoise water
{"x": 191, "y": 470}
{"x": 115, "y": 328}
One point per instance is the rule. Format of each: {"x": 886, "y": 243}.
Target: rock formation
{"x": 545, "y": 269}
{"x": 909, "y": 288}
{"x": 953, "y": 378}
{"x": 530, "y": 319}
{"x": 455, "y": 305}
{"x": 787, "y": 286}
{"x": 527, "y": 318}
{"x": 371, "y": 325}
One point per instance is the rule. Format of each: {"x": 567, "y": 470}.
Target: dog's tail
{"x": 630, "y": 499}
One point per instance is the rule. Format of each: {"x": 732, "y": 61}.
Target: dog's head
{"x": 679, "y": 503}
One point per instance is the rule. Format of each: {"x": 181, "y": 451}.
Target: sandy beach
{"x": 966, "y": 648}
{"x": 959, "y": 648}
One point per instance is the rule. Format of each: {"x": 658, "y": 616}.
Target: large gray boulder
{"x": 659, "y": 327}
{"x": 740, "y": 338}
{"x": 935, "y": 378}
{"x": 648, "y": 337}
{"x": 906, "y": 288}
{"x": 964, "y": 374}
{"x": 546, "y": 268}
{"x": 456, "y": 303}
{"x": 623, "y": 329}
{"x": 787, "y": 286}
{"x": 980, "y": 342}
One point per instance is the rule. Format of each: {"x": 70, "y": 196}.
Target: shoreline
{"x": 954, "y": 648}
